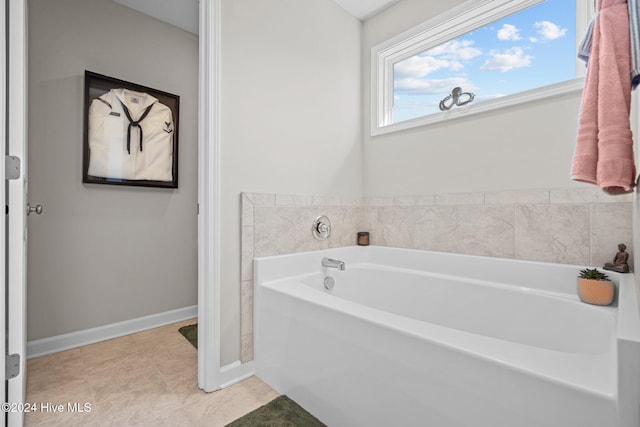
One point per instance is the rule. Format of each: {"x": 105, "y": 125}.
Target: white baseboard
{"x": 62, "y": 342}
{"x": 235, "y": 372}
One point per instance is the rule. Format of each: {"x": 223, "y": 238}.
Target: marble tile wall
{"x": 571, "y": 226}
{"x": 274, "y": 224}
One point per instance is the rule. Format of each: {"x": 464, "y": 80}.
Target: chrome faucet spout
{"x": 333, "y": 263}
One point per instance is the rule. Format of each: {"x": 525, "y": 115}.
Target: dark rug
{"x": 190, "y": 332}
{"x": 280, "y": 412}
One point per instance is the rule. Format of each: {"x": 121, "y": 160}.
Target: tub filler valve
{"x": 333, "y": 263}
{"x": 321, "y": 228}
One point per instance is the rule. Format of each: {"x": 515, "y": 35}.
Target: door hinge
{"x": 12, "y": 366}
{"x": 12, "y": 167}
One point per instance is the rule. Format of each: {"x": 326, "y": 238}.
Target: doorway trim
{"x": 209, "y": 374}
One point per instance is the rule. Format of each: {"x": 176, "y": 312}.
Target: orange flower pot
{"x": 597, "y": 292}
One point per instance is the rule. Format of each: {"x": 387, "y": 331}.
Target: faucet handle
{"x": 321, "y": 228}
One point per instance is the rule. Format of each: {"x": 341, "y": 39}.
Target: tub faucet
{"x": 333, "y": 263}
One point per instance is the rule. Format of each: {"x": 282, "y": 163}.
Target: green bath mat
{"x": 190, "y": 332}
{"x": 280, "y": 412}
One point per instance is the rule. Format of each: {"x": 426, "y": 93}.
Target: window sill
{"x": 545, "y": 92}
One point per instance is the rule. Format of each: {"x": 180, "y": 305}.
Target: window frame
{"x": 453, "y": 23}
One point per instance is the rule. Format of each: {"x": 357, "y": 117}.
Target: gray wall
{"x": 290, "y": 112}
{"x": 529, "y": 146}
{"x": 102, "y": 254}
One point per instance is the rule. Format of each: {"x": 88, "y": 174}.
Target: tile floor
{"x": 143, "y": 379}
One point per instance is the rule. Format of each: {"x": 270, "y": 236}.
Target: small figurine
{"x": 620, "y": 261}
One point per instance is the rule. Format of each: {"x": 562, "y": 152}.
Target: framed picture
{"x": 130, "y": 133}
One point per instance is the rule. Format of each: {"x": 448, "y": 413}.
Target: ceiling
{"x": 365, "y": 9}
{"x": 184, "y": 13}
{"x": 180, "y": 13}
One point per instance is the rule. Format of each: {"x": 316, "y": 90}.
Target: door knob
{"x": 37, "y": 209}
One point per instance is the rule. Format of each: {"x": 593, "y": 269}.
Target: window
{"x": 502, "y": 51}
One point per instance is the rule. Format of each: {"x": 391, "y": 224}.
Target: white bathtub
{"x": 417, "y": 338}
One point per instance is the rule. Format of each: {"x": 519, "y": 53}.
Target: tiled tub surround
{"x": 569, "y": 226}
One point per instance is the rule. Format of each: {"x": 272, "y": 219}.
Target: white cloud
{"x": 456, "y": 66}
{"x": 432, "y": 86}
{"x": 506, "y": 60}
{"x": 549, "y": 30}
{"x": 419, "y": 66}
{"x": 410, "y": 75}
{"x": 509, "y": 32}
{"x": 456, "y": 50}
{"x": 533, "y": 39}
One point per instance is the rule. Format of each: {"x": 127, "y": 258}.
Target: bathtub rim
{"x": 307, "y": 262}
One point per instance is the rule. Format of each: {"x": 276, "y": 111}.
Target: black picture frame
{"x": 95, "y": 85}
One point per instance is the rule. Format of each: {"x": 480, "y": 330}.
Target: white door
{"x": 15, "y": 120}
{"x": 3, "y": 237}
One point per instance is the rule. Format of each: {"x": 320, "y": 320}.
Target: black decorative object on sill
{"x": 456, "y": 98}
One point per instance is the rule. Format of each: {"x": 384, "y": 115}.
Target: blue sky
{"x": 530, "y": 49}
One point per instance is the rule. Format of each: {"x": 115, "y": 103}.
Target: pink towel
{"x": 604, "y": 146}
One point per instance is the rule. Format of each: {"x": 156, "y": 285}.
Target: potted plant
{"x": 594, "y": 287}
